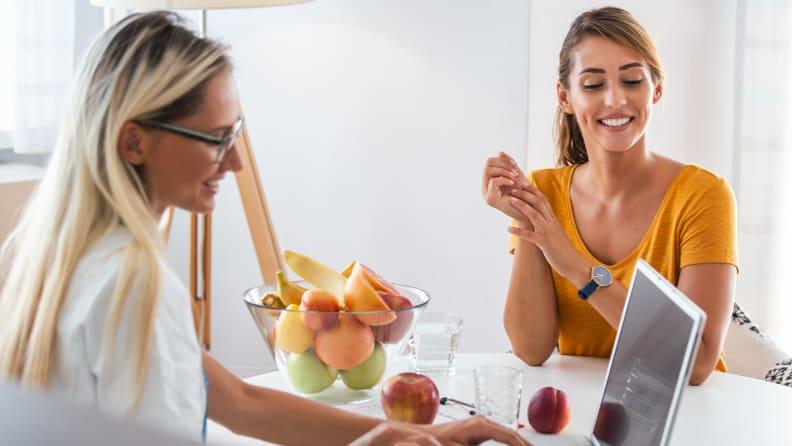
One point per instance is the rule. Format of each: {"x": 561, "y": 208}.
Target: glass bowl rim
{"x": 250, "y": 302}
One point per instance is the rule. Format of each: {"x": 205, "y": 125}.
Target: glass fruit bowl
{"x": 337, "y": 357}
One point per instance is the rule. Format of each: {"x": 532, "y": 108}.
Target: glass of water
{"x": 433, "y": 343}
{"x": 498, "y": 393}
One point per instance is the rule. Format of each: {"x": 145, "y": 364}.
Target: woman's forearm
{"x": 276, "y": 416}
{"x": 531, "y": 314}
{"x": 282, "y": 418}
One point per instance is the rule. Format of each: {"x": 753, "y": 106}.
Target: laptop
{"x": 34, "y": 418}
{"x": 650, "y": 366}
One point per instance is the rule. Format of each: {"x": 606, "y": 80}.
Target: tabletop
{"x": 727, "y": 409}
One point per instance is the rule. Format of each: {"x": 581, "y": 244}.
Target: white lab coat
{"x": 174, "y": 395}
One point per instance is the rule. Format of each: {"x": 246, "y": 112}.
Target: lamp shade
{"x": 192, "y": 4}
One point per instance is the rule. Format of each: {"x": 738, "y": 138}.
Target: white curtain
{"x": 764, "y": 166}
{"x": 44, "y": 67}
{"x": 782, "y": 253}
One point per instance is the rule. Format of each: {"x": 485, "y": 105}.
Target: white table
{"x": 727, "y": 410}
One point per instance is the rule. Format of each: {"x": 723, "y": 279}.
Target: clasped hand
{"x": 505, "y": 187}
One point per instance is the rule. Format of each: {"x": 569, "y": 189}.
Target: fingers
{"x": 534, "y": 216}
{"x": 493, "y": 191}
{"x": 512, "y": 162}
{"x": 536, "y": 199}
{"x": 478, "y": 429}
{"x": 496, "y": 171}
{"x": 396, "y": 434}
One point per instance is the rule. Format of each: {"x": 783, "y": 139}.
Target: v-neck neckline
{"x": 649, "y": 229}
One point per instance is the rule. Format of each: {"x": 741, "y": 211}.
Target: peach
{"x": 548, "y": 411}
{"x": 378, "y": 282}
{"x": 395, "y": 331}
{"x": 359, "y": 295}
{"x": 346, "y": 345}
{"x": 320, "y": 309}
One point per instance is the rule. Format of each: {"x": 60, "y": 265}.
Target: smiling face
{"x": 181, "y": 171}
{"x": 611, "y": 92}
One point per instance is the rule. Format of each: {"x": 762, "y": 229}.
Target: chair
{"x": 749, "y": 352}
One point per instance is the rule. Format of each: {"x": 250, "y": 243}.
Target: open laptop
{"x": 652, "y": 358}
{"x": 34, "y": 418}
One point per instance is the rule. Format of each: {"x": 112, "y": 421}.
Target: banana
{"x": 319, "y": 274}
{"x": 289, "y": 293}
{"x": 272, "y": 300}
{"x": 347, "y": 271}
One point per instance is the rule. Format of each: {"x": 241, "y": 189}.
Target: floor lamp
{"x": 248, "y": 181}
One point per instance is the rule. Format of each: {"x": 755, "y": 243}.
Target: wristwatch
{"x": 600, "y": 277}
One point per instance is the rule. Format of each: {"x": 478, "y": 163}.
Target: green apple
{"x": 368, "y": 374}
{"x": 308, "y": 374}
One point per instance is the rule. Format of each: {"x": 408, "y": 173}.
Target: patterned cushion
{"x": 781, "y": 373}
{"x": 749, "y": 352}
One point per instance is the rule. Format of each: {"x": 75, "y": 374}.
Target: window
{"x": 764, "y": 151}
{"x": 8, "y": 71}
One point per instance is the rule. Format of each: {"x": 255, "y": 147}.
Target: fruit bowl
{"x": 337, "y": 357}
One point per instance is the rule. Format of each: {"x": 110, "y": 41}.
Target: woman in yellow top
{"x": 611, "y": 202}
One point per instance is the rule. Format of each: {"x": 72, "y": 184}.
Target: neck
{"x": 613, "y": 175}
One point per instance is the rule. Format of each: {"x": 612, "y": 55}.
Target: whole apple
{"x": 308, "y": 374}
{"x": 368, "y": 374}
{"x": 319, "y": 309}
{"x": 395, "y": 331}
{"x": 548, "y": 411}
{"x": 410, "y": 398}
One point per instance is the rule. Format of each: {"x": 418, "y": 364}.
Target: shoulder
{"x": 96, "y": 273}
{"x": 549, "y": 180}
{"x": 701, "y": 185}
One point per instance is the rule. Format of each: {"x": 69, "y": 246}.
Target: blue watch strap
{"x": 588, "y": 290}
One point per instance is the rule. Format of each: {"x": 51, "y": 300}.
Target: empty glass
{"x": 433, "y": 343}
{"x": 498, "y": 393}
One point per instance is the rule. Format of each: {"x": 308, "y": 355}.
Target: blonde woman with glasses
{"x": 91, "y": 311}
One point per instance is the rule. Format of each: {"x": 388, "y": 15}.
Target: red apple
{"x": 612, "y": 423}
{"x": 320, "y": 309}
{"x": 395, "y": 331}
{"x": 548, "y": 411}
{"x": 410, "y": 398}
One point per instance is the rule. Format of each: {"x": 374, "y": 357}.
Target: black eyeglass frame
{"x": 223, "y": 143}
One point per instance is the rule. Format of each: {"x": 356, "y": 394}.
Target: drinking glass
{"x": 433, "y": 343}
{"x": 498, "y": 393}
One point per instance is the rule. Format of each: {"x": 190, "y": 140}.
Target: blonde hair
{"x": 146, "y": 67}
{"x": 611, "y": 23}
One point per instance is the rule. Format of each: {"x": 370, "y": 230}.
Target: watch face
{"x": 601, "y": 276}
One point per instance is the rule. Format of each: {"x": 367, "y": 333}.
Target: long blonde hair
{"x": 146, "y": 67}
{"x": 614, "y": 24}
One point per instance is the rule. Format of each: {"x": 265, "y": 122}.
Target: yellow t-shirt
{"x": 695, "y": 223}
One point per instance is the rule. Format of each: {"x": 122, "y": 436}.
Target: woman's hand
{"x": 500, "y": 174}
{"x": 390, "y": 433}
{"x": 475, "y": 430}
{"x": 547, "y": 234}
{"x": 472, "y": 431}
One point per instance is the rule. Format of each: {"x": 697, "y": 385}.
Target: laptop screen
{"x": 646, "y": 367}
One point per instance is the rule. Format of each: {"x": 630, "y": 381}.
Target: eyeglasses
{"x": 223, "y": 143}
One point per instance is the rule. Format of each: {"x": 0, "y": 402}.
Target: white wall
{"x": 371, "y": 120}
